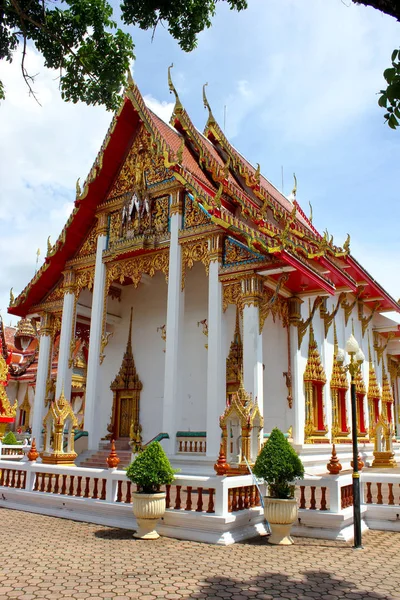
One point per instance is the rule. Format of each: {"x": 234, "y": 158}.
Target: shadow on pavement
{"x": 114, "y": 533}
{"x": 310, "y": 584}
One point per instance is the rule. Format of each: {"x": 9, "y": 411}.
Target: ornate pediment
{"x": 235, "y": 253}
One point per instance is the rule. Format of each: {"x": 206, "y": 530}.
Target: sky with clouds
{"x": 299, "y": 80}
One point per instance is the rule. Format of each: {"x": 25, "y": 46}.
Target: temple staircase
{"x": 98, "y": 458}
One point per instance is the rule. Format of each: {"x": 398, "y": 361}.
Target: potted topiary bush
{"x": 279, "y": 466}
{"x": 150, "y": 470}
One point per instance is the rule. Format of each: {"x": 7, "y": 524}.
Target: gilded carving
{"x": 194, "y": 216}
{"x": 84, "y": 279}
{"x": 366, "y": 320}
{"x": 274, "y": 304}
{"x": 380, "y": 348}
{"x": 237, "y": 253}
{"x": 252, "y": 290}
{"x": 302, "y": 325}
{"x": 133, "y": 268}
{"x": 329, "y": 317}
{"x": 231, "y": 293}
{"x": 234, "y": 362}
{"x": 194, "y": 251}
{"x": 89, "y": 245}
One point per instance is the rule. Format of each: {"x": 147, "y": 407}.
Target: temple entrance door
{"x": 126, "y": 415}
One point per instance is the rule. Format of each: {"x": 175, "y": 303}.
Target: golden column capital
{"x": 102, "y": 223}
{"x": 46, "y": 323}
{"x": 176, "y": 207}
{"x": 69, "y": 281}
{"x": 215, "y": 247}
{"x": 295, "y": 310}
{"x": 252, "y": 289}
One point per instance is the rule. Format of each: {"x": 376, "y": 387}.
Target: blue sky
{"x": 299, "y": 80}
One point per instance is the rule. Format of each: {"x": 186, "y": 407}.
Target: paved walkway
{"x": 44, "y": 557}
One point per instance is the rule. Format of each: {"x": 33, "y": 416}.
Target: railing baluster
{"x": 79, "y": 487}
{"x": 246, "y": 497}
{"x": 230, "y": 500}
{"x": 240, "y": 499}
{"x": 189, "y": 498}
{"x": 323, "y": 499}
{"x": 19, "y": 480}
{"x": 380, "y": 499}
{"x": 24, "y": 481}
{"x": 87, "y": 488}
{"x": 13, "y": 479}
{"x": 95, "y": 488}
{"x": 36, "y": 485}
{"x": 119, "y": 491}
{"x": 369, "y": 494}
{"x": 128, "y": 493}
{"x": 210, "y": 508}
{"x": 2, "y": 477}
{"x": 43, "y": 483}
{"x": 251, "y": 496}
{"x": 57, "y": 477}
{"x": 302, "y": 496}
{"x": 313, "y": 504}
{"x": 103, "y": 489}
{"x": 64, "y": 485}
{"x": 199, "y": 500}
{"x": 71, "y": 485}
{"x": 178, "y": 498}
{"x": 391, "y": 495}
{"x": 168, "y": 496}
{"x": 49, "y": 483}
{"x": 234, "y": 500}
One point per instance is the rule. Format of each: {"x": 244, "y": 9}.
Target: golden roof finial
{"x": 12, "y": 299}
{"x": 172, "y": 89}
{"x": 310, "y": 218}
{"x": 257, "y": 174}
{"x": 207, "y": 105}
{"x": 294, "y": 190}
{"x": 129, "y": 77}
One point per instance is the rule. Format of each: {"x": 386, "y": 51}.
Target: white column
{"x": 41, "y": 377}
{"x": 252, "y": 339}
{"x": 175, "y": 314}
{"x": 216, "y": 367}
{"x": 96, "y": 326}
{"x": 64, "y": 371}
{"x": 298, "y": 364}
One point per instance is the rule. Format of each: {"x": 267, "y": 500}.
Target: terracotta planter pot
{"x": 148, "y": 509}
{"x": 281, "y": 514}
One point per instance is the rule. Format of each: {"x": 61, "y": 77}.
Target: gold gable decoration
{"x": 193, "y": 215}
{"x": 59, "y": 420}
{"x": 126, "y": 389}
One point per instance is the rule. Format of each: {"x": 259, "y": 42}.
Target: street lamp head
{"x": 360, "y": 356}
{"x": 352, "y": 346}
{"x": 340, "y": 356}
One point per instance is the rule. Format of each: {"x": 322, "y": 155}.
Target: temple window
{"x": 315, "y": 429}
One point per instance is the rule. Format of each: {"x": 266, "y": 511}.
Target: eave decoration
{"x": 126, "y": 389}
{"x": 315, "y": 429}
{"x": 59, "y": 421}
{"x": 241, "y": 425}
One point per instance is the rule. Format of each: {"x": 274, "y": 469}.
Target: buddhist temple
{"x": 188, "y": 300}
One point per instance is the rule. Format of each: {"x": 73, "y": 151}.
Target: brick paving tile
{"x": 69, "y": 559}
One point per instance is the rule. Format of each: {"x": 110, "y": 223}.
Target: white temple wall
{"x": 192, "y": 412}
{"x": 275, "y": 355}
{"x": 149, "y": 303}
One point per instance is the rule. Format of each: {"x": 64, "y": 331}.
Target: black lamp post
{"x": 356, "y": 359}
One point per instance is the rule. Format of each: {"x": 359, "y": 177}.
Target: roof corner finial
{"x": 257, "y": 174}
{"x": 294, "y": 190}
{"x": 129, "y": 77}
{"x": 172, "y": 89}
{"x": 310, "y": 218}
{"x": 207, "y": 105}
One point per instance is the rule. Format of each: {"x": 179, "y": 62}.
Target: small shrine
{"x": 382, "y": 434}
{"x": 241, "y": 425}
{"x": 59, "y": 425}
{"x": 126, "y": 389}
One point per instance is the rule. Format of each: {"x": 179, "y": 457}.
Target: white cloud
{"x": 162, "y": 109}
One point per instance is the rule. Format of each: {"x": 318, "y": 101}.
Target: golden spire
{"x": 294, "y": 190}
{"x": 314, "y": 369}
{"x": 211, "y": 118}
{"x": 129, "y": 77}
{"x": 387, "y": 395}
{"x": 373, "y": 387}
{"x": 178, "y": 105}
{"x": 310, "y": 218}
{"x": 338, "y": 378}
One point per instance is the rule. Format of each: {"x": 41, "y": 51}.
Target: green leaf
{"x": 383, "y": 101}
{"x": 389, "y": 74}
{"x": 393, "y": 122}
{"x": 394, "y": 55}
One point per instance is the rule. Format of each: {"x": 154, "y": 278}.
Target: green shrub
{"x": 278, "y": 465}
{"x": 10, "y": 440}
{"x": 151, "y": 469}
